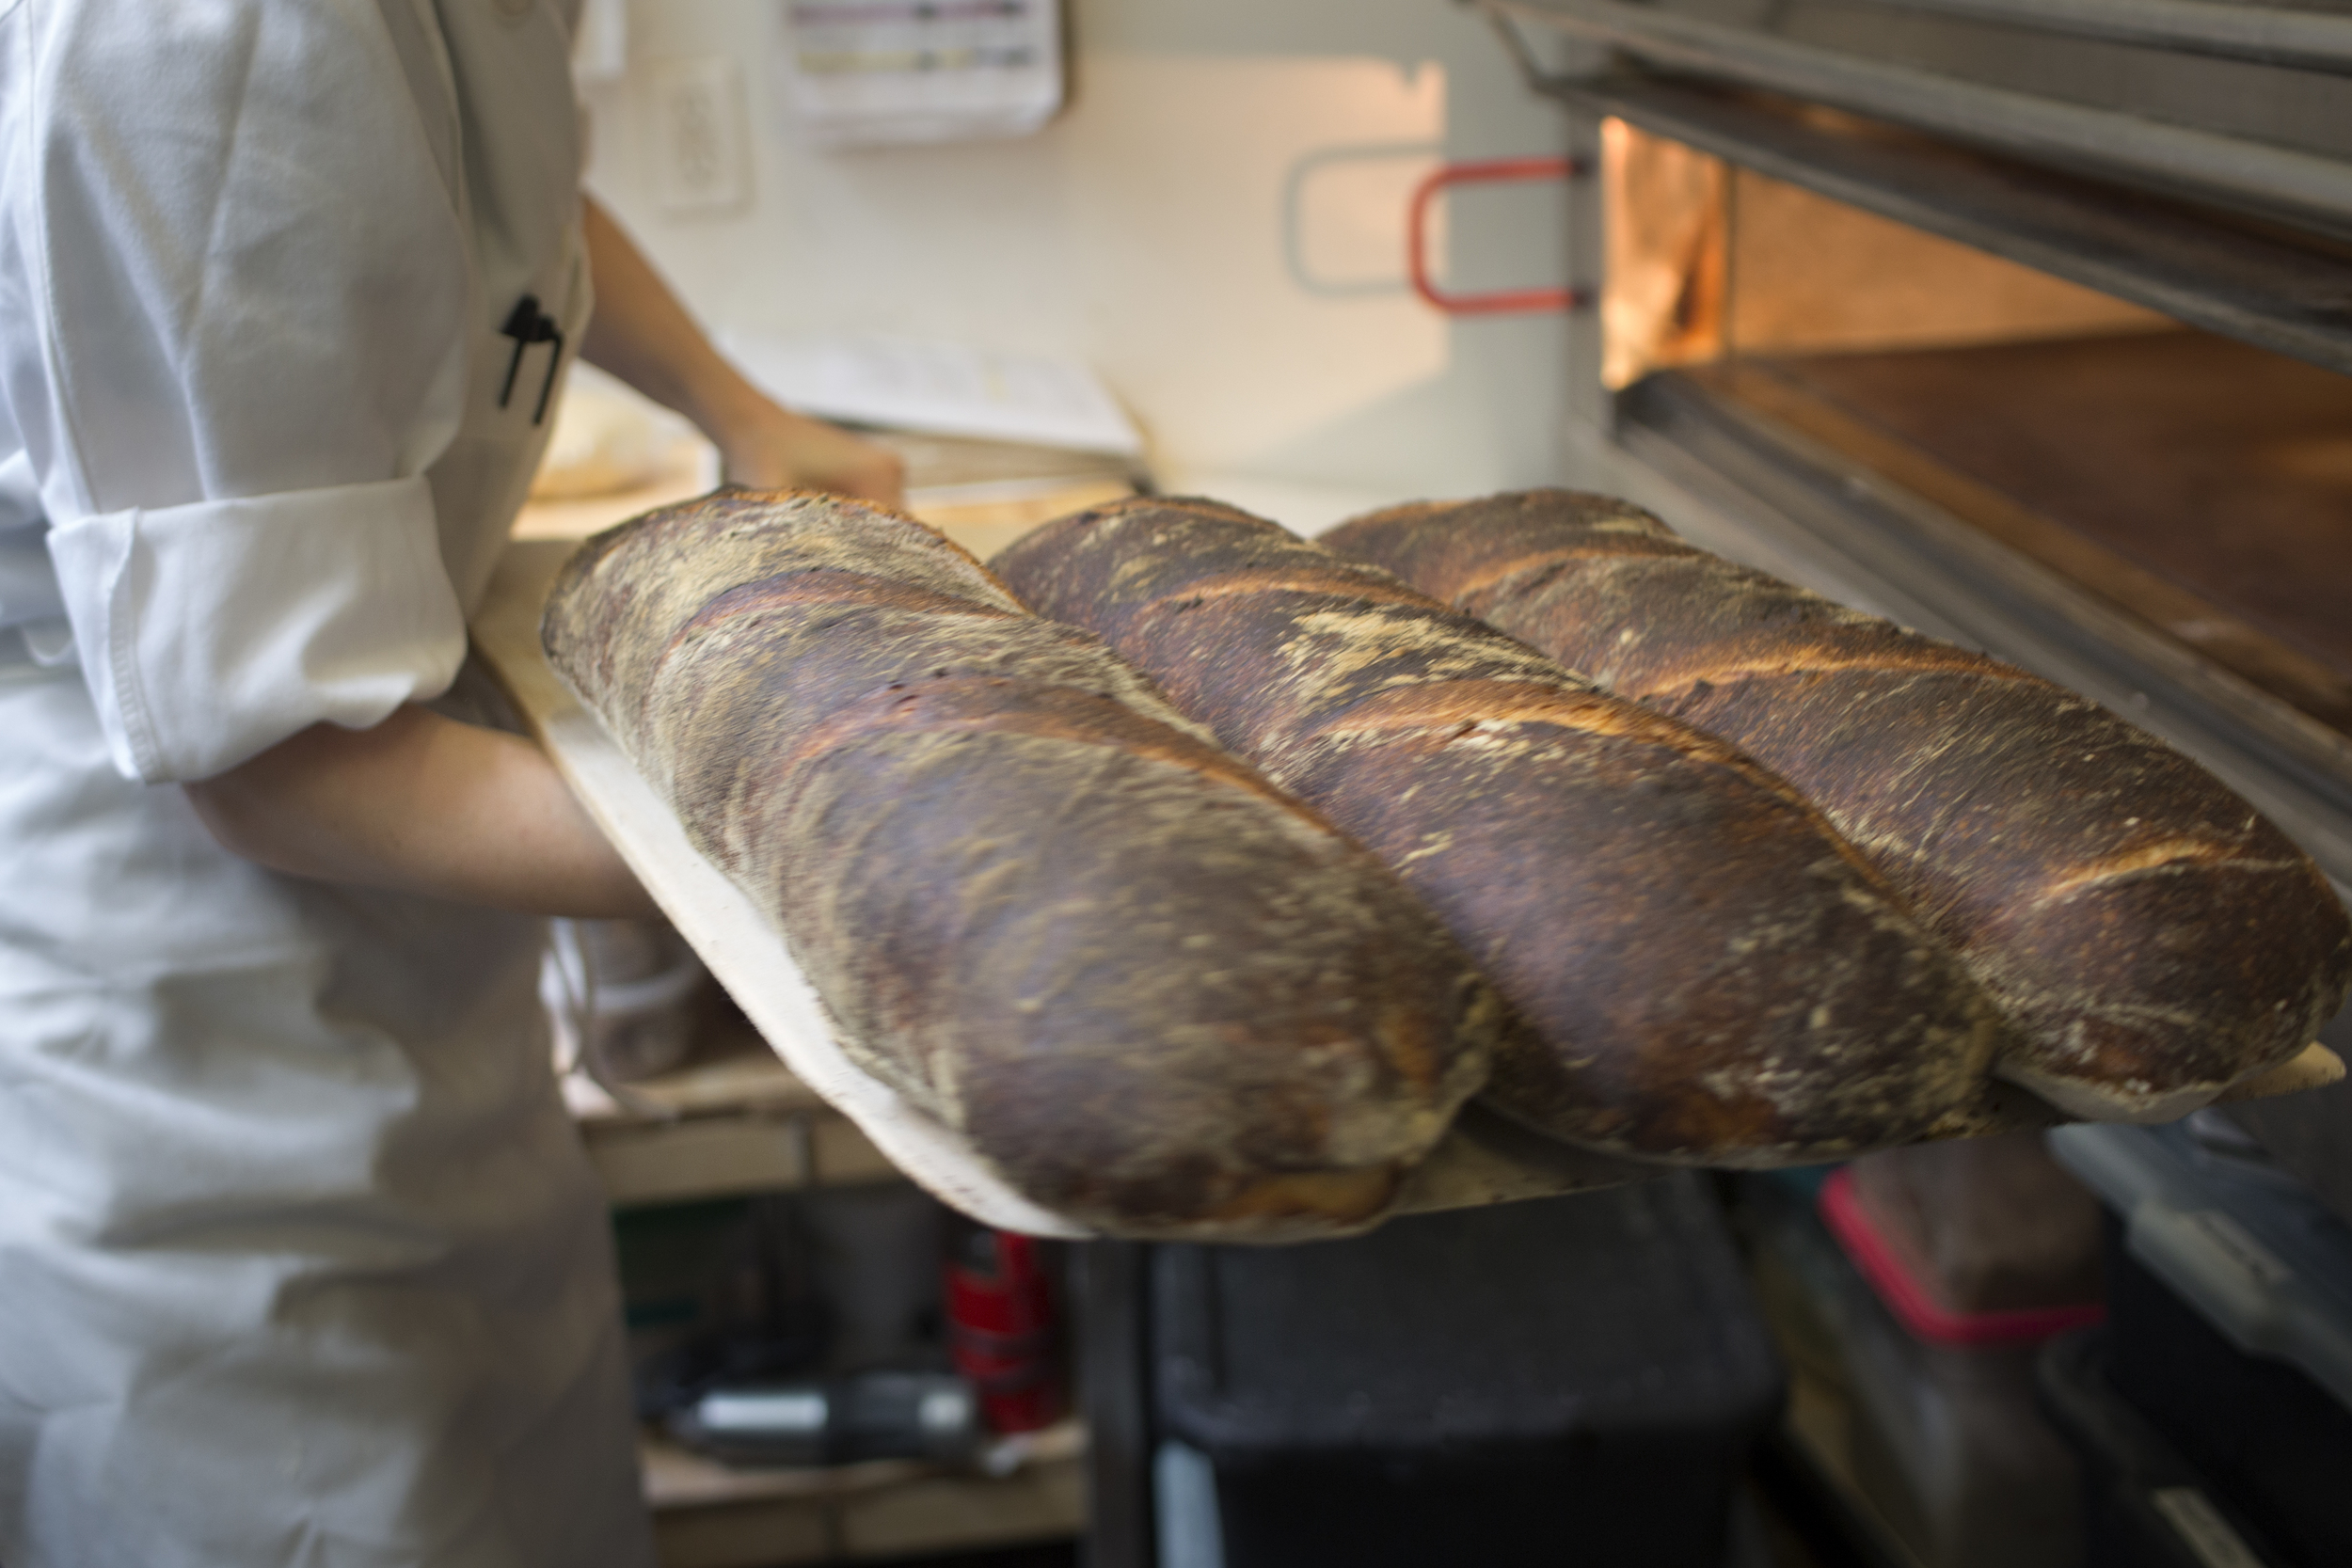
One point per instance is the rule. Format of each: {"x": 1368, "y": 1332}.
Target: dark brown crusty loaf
{"x": 1156, "y": 995}
{"x": 1710, "y": 976}
{"x": 2152, "y": 937}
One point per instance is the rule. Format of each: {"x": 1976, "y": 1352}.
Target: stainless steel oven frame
{"x": 2230, "y": 217}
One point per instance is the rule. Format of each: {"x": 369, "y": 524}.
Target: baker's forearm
{"x": 423, "y": 805}
{"x": 644, "y": 334}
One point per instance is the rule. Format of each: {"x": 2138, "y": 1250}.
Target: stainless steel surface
{"x": 2273, "y": 35}
{"x": 2171, "y": 153}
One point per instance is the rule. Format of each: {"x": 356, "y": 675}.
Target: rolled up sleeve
{"x": 327, "y": 607}
{"x": 240, "y": 232}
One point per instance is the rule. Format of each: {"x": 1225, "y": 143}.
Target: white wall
{"x": 1215, "y": 224}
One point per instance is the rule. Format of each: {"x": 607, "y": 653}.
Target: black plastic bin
{"x": 2144, "y": 1504}
{"x": 1574, "y": 1379}
{"x": 2229, "y": 1316}
{"x": 2275, "y": 1442}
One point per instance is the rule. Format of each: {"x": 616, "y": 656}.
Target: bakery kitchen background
{"x": 1779, "y": 1008}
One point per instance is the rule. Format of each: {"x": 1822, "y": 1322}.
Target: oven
{"x": 2028, "y": 323}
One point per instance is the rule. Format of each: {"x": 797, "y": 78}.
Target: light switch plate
{"x": 701, "y": 141}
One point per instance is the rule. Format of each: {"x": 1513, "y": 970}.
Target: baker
{"x": 299, "y": 1259}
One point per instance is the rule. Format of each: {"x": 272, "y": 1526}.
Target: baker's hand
{"x": 769, "y": 448}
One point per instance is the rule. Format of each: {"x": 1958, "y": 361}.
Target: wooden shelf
{"x": 709, "y": 1516}
{"x": 735, "y": 1123}
{"x": 738, "y": 1123}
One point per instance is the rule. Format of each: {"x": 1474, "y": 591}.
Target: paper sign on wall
{"x": 870, "y": 72}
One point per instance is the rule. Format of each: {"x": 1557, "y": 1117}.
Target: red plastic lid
{"x": 1914, "y": 1303}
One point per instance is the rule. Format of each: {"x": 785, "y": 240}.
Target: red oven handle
{"x": 1485, "y": 171}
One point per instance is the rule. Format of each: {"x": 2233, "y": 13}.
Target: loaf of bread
{"x": 1155, "y": 994}
{"x": 2150, "y": 936}
{"x": 1706, "y": 972}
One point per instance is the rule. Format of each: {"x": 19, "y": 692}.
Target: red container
{"x": 1944, "y": 1439}
{"x": 1002, "y": 1333}
{"x": 1901, "y": 1282}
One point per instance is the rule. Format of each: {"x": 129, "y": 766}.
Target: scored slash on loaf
{"x": 2152, "y": 939}
{"x": 1154, "y": 994}
{"x": 1703, "y": 971}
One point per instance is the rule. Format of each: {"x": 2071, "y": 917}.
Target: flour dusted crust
{"x": 2151, "y": 936}
{"x": 1157, "y": 995}
{"x": 1705, "y": 973}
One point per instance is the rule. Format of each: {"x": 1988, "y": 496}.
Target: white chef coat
{"x": 300, "y": 1262}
